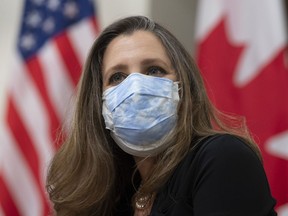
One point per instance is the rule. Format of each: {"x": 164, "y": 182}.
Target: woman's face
{"x": 140, "y": 52}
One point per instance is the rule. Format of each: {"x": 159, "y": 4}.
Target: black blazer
{"x": 222, "y": 176}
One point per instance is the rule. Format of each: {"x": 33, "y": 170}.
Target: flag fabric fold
{"x": 53, "y": 42}
{"x": 241, "y": 51}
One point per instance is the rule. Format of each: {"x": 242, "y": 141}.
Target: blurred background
{"x": 239, "y": 45}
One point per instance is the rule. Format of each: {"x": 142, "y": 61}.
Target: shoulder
{"x": 226, "y": 161}
{"x": 223, "y": 147}
{"x": 221, "y": 174}
{"x": 220, "y": 158}
{"x": 223, "y": 142}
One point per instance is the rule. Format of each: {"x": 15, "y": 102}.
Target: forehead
{"x": 138, "y": 37}
{"x": 139, "y": 43}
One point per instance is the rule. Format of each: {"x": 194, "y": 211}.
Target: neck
{"x": 144, "y": 165}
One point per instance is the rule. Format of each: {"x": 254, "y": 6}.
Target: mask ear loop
{"x": 176, "y": 94}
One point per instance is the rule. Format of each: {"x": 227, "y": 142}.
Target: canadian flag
{"x": 241, "y": 48}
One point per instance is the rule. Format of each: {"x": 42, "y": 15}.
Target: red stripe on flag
{"x": 7, "y": 203}
{"x": 95, "y": 24}
{"x": 35, "y": 69}
{"x": 26, "y": 146}
{"x": 69, "y": 56}
{"x": 22, "y": 137}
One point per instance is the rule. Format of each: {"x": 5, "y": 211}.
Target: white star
{"x": 53, "y": 4}
{"x": 27, "y": 41}
{"x": 33, "y": 19}
{"x": 49, "y": 25}
{"x": 70, "y": 10}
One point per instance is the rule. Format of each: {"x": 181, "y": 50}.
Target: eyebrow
{"x": 144, "y": 62}
{"x": 118, "y": 67}
{"x": 154, "y": 61}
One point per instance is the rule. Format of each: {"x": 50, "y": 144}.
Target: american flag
{"x": 54, "y": 38}
{"x": 241, "y": 52}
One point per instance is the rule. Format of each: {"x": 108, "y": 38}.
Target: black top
{"x": 222, "y": 176}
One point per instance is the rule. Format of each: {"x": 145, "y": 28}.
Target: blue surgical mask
{"x": 141, "y": 112}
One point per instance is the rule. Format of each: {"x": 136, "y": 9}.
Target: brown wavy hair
{"x": 89, "y": 172}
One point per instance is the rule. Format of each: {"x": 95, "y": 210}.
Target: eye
{"x": 156, "y": 71}
{"x": 117, "y": 78}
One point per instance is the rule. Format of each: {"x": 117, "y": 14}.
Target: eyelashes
{"x": 118, "y": 76}
{"x": 156, "y": 71}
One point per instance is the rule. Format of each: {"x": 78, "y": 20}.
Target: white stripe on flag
{"x": 18, "y": 177}
{"x": 59, "y": 84}
{"x": 82, "y": 36}
{"x": 32, "y": 111}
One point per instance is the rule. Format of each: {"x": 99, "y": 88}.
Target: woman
{"x": 146, "y": 140}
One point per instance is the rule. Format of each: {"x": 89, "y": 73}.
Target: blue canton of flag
{"x": 43, "y": 19}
